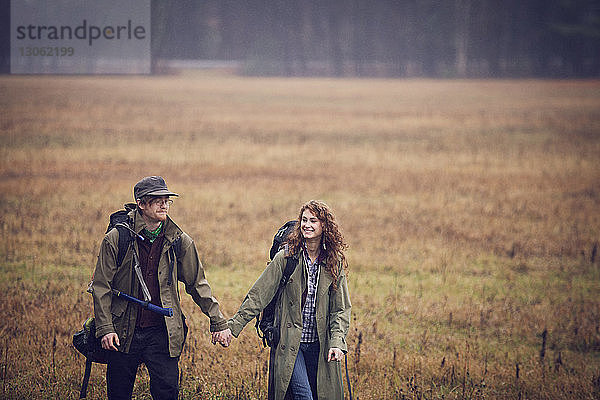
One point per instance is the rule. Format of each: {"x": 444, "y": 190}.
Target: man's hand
{"x": 110, "y": 341}
{"x": 222, "y": 337}
{"x": 335, "y": 354}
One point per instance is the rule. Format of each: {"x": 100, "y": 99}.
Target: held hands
{"x": 222, "y": 337}
{"x": 110, "y": 341}
{"x": 335, "y": 354}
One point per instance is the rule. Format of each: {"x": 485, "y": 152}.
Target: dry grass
{"x": 471, "y": 209}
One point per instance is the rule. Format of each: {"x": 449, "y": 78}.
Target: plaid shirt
{"x": 309, "y": 312}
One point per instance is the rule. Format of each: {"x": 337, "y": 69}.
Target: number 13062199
{"x": 46, "y": 51}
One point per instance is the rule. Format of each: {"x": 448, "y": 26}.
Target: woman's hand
{"x": 222, "y": 337}
{"x": 335, "y": 354}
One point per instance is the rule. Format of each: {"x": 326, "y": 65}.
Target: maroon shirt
{"x": 149, "y": 255}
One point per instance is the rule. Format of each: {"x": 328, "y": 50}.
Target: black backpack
{"x": 280, "y": 237}
{"x": 120, "y": 220}
{"x": 267, "y": 326}
{"x": 89, "y": 345}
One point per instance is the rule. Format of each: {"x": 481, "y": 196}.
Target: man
{"x": 137, "y": 335}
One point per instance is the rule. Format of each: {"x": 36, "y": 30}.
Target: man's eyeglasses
{"x": 162, "y": 202}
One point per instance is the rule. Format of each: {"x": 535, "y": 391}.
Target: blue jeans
{"x": 303, "y": 383}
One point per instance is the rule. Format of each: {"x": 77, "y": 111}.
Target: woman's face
{"x": 310, "y": 225}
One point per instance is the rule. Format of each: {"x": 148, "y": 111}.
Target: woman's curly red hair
{"x": 332, "y": 240}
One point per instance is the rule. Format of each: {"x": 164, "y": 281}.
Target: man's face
{"x": 156, "y": 209}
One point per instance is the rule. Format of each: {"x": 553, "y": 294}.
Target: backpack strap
{"x": 290, "y": 266}
{"x": 174, "y": 254}
{"x": 126, "y": 237}
{"x": 123, "y": 244}
{"x": 86, "y": 378}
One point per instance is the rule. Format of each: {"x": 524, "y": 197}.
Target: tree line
{"x": 385, "y": 38}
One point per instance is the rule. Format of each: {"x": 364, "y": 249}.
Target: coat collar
{"x": 170, "y": 228}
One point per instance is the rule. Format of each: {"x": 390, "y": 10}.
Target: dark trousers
{"x": 151, "y": 347}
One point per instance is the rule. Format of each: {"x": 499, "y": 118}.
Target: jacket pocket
{"x": 117, "y": 309}
{"x": 118, "y": 306}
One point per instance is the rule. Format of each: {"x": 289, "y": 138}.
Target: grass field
{"x": 471, "y": 209}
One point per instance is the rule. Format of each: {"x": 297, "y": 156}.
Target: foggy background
{"x": 383, "y": 38}
{"x": 398, "y": 38}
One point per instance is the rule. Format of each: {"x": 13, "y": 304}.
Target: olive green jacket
{"x": 114, "y": 314}
{"x": 333, "y": 321}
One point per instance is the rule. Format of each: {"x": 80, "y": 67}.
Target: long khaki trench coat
{"x": 114, "y": 314}
{"x": 333, "y": 320}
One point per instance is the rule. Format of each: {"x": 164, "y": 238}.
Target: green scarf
{"x": 152, "y": 235}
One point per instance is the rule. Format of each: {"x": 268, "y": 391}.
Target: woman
{"x": 314, "y": 309}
